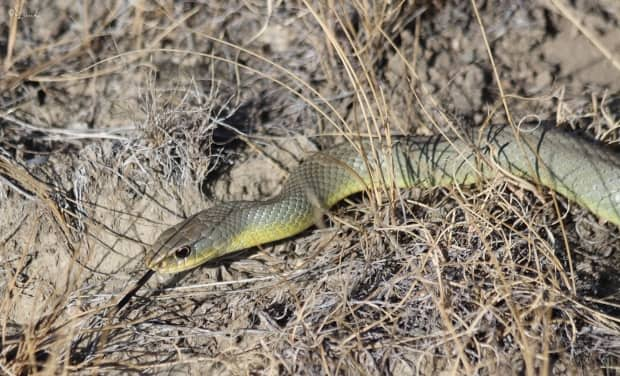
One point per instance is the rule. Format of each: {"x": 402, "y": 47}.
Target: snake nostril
{"x": 182, "y": 252}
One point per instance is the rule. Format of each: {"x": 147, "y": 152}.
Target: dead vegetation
{"x": 118, "y": 119}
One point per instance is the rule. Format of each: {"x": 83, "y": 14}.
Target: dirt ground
{"x": 119, "y": 119}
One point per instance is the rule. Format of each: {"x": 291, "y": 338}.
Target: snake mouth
{"x": 180, "y": 259}
{"x": 153, "y": 260}
{"x": 168, "y": 265}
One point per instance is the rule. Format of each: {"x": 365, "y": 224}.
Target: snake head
{"x": 187, "y": 244}
{"x": 179, "y": 248}
{"x": 172, "y": 250}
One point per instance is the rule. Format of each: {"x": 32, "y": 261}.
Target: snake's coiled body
{"x": 582, "y": 171}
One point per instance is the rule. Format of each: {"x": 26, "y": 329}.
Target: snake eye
{"x": 182, "y": 252}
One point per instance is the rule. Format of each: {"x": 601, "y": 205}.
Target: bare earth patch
{"x": 119, "y": 119}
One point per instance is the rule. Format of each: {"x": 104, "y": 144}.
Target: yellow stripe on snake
{"x": 580, "y": 170}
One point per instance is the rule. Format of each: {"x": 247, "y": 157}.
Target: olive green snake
{"x": 582, "y": 171}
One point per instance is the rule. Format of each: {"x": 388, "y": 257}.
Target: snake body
{"x": 582, "y": 171}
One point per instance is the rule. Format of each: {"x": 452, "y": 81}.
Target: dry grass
{"x": 118, "y": 120}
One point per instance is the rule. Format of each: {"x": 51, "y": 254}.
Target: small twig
{"x": 17, "y": 189}
{"x": 73, "y": 134}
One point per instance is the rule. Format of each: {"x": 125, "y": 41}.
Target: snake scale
{"x": 582, "y": 171}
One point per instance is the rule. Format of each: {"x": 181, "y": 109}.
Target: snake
{"x": 580, "y": 169}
